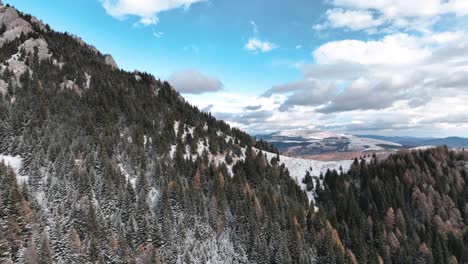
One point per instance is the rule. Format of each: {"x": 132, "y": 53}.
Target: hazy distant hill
{"x": 309, "y": 142}
{"x": 454, "y": 142}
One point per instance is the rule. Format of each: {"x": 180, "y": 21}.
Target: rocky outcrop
{"x": 13, "y": 24}
{"x": 16, "y": 67}
{"x": 110, "y": 61}
{"x": 41, "y": 45}
{"x": 71, "y": 85}
{"x": 39, "y": 24}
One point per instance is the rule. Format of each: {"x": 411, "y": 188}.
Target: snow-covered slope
{"x": 298, "y": 168}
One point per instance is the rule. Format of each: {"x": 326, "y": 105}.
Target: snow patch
{"x": 153, "y": 198}
{"x": 3, "y": 87}
{"x": 298, "y": 168}
{"x": 88, "y": 80}
{"x": 423, "y": 148}
{"x": 16, "y": 163}
{"x": 128, "y": 177}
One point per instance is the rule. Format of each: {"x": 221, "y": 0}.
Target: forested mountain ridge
{"x": 121, "y": 169}
{"x": 118, "y": 168}
{"x": 409, "y": 208}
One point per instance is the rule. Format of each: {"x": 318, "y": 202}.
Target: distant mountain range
{"x": 454, "y": 142}
{"x": 312, "y": 142}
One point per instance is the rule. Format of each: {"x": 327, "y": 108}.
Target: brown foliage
{"x": 335, "y": 237}
{"x": 247, "y": 190}
{"x": 75, "y": 240}
{"x": 31, "y": 253}
{"x": 221, "y": 180}
{"x": 258, "y": 207}
{"x": 196, "y": 181}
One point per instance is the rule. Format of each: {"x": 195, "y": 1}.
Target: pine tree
{"x": 308, "y": 181}
{"x": 44, "y": 251}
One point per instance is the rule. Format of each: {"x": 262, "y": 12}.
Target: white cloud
{"x": 390, "y": 15}
{"x": 394, "y": 84}
{"x": 352, "y": 19}
{"x": 256, "y": 45}
{"x": 194, "y": 82}
{"x": 396, "y": 8}
{"x": 158, "y": 34}
{"x": 146, "y": 10}
{"x": 148, "y": 21}
{"x": 459, "y": 7}
{"x": 392, "y": 49}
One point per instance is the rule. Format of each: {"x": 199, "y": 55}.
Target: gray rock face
{"x": 14, "y": 24}
{"x": 41, "y": 44}
{"x": 110, "y": 61}
{"x": 17, "y": 67}
{"x": 39, "y": 23}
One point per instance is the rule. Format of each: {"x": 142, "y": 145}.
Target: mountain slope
{"x": 118, "y": 168}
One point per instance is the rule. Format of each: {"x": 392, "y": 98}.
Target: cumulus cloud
{"x": 352, "y": 19}
{"x": 399, "y": 74}
{"x": 257, "y": 45}
{"x": 247, "y": 118}
{"x": 390, "y": 15}
{"x": 146, "y": 10}
{"x": 308, "y": 92}
{"x": 378, "y": 121}
{"x": 194, "y": 82}
{"x": 207, "y": 108}
{"x": 340, "y": 70}
{"x": 392, "y": 49}
{"x": 252, "y": 107}
{"x": 361, "y": 94}
{"x": 412, "y": 77}
{"x": 444, "y": 118}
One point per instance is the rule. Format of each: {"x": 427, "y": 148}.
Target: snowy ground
{"x": 15, "y": 162}
{"x": 298, "y": 168}
{"x": 422, "y": 148}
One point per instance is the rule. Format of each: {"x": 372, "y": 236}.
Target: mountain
{"x": 101, "y": 165}
{"x": 309, "y": 142}
{"x": 453, "y": 142}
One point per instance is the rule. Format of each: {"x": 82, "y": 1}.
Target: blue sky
{"x": 357, "y": 66}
